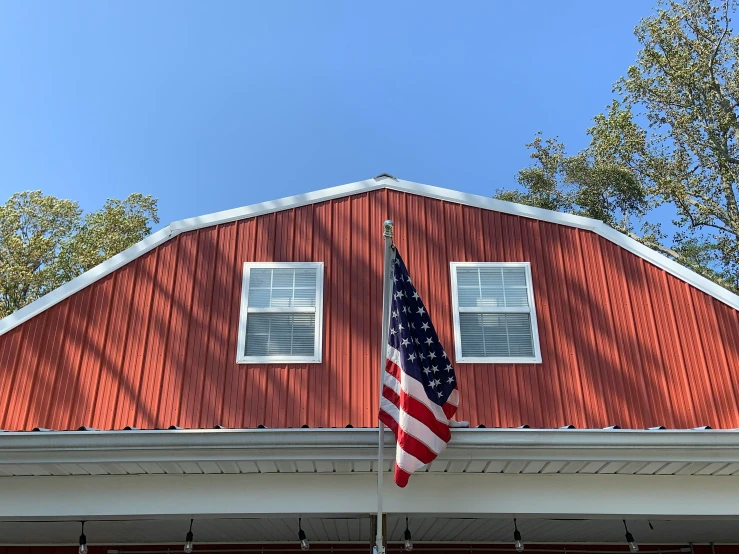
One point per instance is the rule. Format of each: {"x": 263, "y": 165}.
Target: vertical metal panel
{"x": 154, "y": 343}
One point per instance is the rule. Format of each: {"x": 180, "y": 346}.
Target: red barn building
{"x": 225, "y": 370}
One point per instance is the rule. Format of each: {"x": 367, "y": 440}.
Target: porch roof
{"x": 232, "y": 451}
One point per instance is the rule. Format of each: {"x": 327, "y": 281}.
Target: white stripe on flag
{"x": 413, "y": 427}
{"x": 407, "y": 462}
{"x": 413, "y": 387}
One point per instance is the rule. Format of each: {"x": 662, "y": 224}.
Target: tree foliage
{"x": 671, "y": 137}
{"x": 46, "y": 241}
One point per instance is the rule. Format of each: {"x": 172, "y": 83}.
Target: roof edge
{"x": 448, "y": 195}
{"x": 361, "y": 444}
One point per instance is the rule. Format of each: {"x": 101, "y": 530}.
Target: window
{"x": 281, "y": 313}
{"x": 494, "y": 314}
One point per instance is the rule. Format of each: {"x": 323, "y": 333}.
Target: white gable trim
{"x": 190, "y": 224}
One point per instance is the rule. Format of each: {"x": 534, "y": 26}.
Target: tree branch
{"x": 655, "y": 246}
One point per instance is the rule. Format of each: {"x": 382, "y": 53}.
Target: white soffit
{"x": 448, "y": 195}
{"x": 471, "y": 451}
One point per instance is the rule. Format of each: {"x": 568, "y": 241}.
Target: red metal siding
{"x": 154, "y": 343}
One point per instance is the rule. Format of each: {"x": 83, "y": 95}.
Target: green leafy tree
{"x": 670, "y": 138}
{"x": 46, "y": 241}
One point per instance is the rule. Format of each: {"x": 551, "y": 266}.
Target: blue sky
{"x": 213, "y": 105}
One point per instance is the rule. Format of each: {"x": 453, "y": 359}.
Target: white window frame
{"x": 536, "y": 359}
{"x": 241, "y": 357}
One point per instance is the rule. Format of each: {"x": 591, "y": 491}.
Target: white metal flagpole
{"x": 386, "y": 292}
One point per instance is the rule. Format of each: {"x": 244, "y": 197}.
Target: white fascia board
{"x": 361, "y": 445}
{"x": 448, "y": 195}
{"x": 288, "y": 203}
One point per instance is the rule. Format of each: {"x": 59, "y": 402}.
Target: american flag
{"x": 419, "y": 393}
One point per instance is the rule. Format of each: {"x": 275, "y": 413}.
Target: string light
{"x": 83, "y": 541}
{"x": 408, "y": 544}
{"x": 633, "y": 547}
{"x": 518, "y": 543}
{"x": 304, "y": 544}
{"x": 188, "y": 540}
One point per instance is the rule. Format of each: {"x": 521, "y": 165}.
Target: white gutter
{"x": 361, "y": 445}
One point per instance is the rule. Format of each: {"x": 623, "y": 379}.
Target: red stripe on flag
{"x": 401, "y": 477}
{"x": 389, "y": 422}
{"x": 391, "y": 395}
{"x": 449, "y": 410}
{"x": 413, "y": 407}
{"x": 409, "y": 444}
{"x": 392, "y": 368}
{"x": 415, "y": 447}
{"x": 417, "y": 409}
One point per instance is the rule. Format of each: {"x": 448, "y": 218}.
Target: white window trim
{"x": 241, "y": 358}
{"x": 536, "y": 359}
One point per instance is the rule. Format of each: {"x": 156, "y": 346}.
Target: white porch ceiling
{"x": 507, "y": 466}
{"x": 357, "y": 529}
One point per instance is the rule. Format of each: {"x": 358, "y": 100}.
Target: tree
{"x": 671, "y": 137}
{"x": 46, "y": 241}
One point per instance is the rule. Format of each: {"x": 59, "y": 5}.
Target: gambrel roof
{"x": 383, "y": 181}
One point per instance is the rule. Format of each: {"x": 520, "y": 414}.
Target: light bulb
{"x": 304, "y": 544}
{"x": 633, "y": 547}
{"x": 518, "y": 543}
{"x": 188, "y": 540}
{"x": 83, "y": 542}
{"x": 407, "y": 542}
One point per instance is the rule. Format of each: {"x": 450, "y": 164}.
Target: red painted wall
{"x": 154, "y": 343}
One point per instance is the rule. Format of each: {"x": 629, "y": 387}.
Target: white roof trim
{"x": 184, "y": 225}
{"x": 361, "y": 445}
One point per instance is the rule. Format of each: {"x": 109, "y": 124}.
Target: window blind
{"x": 281, "y": 312}
{"x": 495, "y": 318}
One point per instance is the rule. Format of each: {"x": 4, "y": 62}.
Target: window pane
{"x": 516, "y": 297}
{"x": 521, "y": 346}
{"x": 258, "y": 298}
{"x": 496, "y": 335}
{"x": 282, "y": 287}
{"x": 305, "y": 297}
{"x": 260, "y": 278}
{"x": 492, "y": 287}
{"x": 467, "y": 277}
{"x": 469, "y": 297}
{"x": 514, "y": 276}
{"x": 492, "y": 297}
{"x": 473, "y": 341}
{"x": 304, "y": 331}
{"x": 283, "y": 277}
{"x": 515, "y": 287}
{"x": 491, "y": 277}
{"x": 278, "y": 334}
{"x": 282, "y": 298}
{"x": 305, "y": 278}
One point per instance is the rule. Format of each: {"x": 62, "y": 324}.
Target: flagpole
{"x": 386, "y": 292}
